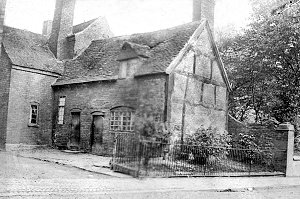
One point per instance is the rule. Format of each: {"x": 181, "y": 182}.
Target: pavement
{"x": 121, "y": 184}
{"x": 83, "y": 161}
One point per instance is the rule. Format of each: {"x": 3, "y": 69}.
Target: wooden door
{"x": 75, "y": 129}
{"x": 97, "y": 130}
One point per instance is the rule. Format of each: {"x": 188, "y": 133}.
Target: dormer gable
{"x": 131, "y": 50}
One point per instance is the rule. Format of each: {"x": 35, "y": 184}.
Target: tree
{"x": 264, "y": 8}
{"x": 263, "y": 64}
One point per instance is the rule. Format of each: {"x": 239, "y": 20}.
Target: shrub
{"x": 203, "y": 143}
{"x": 257, "y": 150}
{"x": 154, "y": 135}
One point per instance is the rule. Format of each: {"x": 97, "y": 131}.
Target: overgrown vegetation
{"x": 263, "y": 65}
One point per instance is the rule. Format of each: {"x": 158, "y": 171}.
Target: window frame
{"x": 30, "y": 123}
{"x": 117, "y": 122}
{"x": 61, "y": 114}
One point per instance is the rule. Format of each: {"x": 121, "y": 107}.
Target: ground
{"x": 14, "y": 167}
{"x": 26, "y": 177}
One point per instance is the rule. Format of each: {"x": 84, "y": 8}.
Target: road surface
{"x": 13, "y": 167}
{"x": 29, "y": 178}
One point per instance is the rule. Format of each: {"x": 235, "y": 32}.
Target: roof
{"x": 80, "y": 27}
{"x": 192, "y": 41}
{"x": 30, "y": 50}
{"x": 100, "y": 58}
{"x": 133, "y": 50}
{"x": 84, "y": 80}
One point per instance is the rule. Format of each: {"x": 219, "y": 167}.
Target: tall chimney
{"x": 2, "y": 17}
{"x": 204, "y": 9}
{"x": 47, "y": 26}
{"x": 62, "y": 27}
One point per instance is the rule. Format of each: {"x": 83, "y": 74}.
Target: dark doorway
{"x": 75, "y": 130}
{"x": 97, "y": 131}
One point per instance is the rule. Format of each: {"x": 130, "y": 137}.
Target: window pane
{"x": 34, "y": 113}
{"x": 121, "y": 119}
{"x": 62, "y": 101}
{"x": 61, "y": 115}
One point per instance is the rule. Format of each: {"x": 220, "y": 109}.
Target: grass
{"x": 214, "y": 167}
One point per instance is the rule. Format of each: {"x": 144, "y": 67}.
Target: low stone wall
{"x": 262, "y": 134}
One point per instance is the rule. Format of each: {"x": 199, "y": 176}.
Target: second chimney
{"x": 47, "y": 26}
{"x": 62, "y": 27}
{"x": 2, "y": 17}
{"x": 204, "y": 9}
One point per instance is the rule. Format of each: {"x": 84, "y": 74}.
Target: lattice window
{"x": 122, "y": 119}
{"x": 61, "y": 109}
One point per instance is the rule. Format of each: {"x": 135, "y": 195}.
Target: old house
{"x": 29, "y": 66}
{"x": 77, "y": 86}
{"x": 178, "y": 71}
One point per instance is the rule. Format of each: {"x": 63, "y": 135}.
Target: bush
{"x": 203, "y": 143}
{"x": 154, "y": 136}
{"x": 257, "y": 150}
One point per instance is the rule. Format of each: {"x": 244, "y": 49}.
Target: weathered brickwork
{"x": 26, "y": 88}
{"x": 262, "y": 134}
{"x": 5, "y": 67}
{"x": 198, "y": 93}
{"x": 104, "y": 96}
{"x": 204, "y": 9}
{"x": 62, "y": 26}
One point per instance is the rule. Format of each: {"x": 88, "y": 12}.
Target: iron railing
{"x": 148, "y": 158}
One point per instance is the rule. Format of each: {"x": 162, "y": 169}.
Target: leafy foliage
{"x": 210, "y": 137}
{"x": 263, "y": 65}
{"x": 206, "y": 142}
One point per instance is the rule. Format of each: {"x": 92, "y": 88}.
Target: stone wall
{"x": 262, "y": 134}
{"x": 198, "y": 94}
{"x": 5, "y": 67}
{"x": 102, "y": 97}
{"x": 28, "y": 87}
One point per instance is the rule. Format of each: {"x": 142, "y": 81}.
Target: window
{"x": 123, "y": 70}
{"x": 61, "y": 110}
{"x": 33, "y": 114}
{"x": 121, "y": 119}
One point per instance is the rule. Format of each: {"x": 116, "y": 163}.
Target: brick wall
{"x": 204, "y": 9}
{"x": 62, "y": 26}
{"x": 103, "y": 96}
{"x": 198, "y": 94}
{"x": 2, "y": 17}
{"x": 5, "y": 67}
{"x": 262, "y": 134}
{"x": 27, "y": 87}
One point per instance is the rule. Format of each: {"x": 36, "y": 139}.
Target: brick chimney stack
{"x": 62, "y": 27}
{"x": 47, "y": 26}
{"x": 2, "y": 17}
{"x": 204, "y": 9}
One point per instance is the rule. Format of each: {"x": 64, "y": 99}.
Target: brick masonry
{"x": 103, "y": 96}
{"x": 5, "y": 66}
{"x": 204, "y": 9}
{"x": 62, "y": 27}
{"x": 28, "y": 87}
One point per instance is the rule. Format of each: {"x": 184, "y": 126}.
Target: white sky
{"x": 125, "y": 16}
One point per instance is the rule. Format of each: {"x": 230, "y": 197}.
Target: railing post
{"x": 139, "y": 155}
{"x": 288, "y": 129}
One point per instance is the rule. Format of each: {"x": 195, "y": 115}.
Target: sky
{"x": 126, "y": 16}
